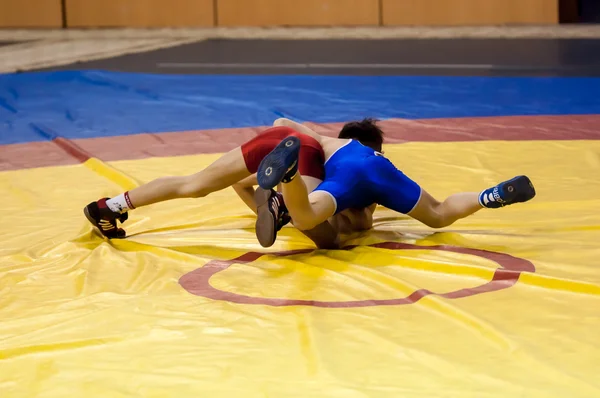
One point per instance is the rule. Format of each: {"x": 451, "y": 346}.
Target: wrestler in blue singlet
{"x": 357, "y": 176}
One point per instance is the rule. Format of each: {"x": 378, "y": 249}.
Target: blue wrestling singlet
{"x": 357, "y": 176}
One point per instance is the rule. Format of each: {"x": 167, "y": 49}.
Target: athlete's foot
{"x": 272, "y": 215}
{"x": 281, "y": 165}
{"x": 105, "y": 219}
{"x": 517, "y": 190}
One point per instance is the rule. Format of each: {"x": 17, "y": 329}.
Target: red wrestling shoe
{"x": 272, "y": 215}
{"x": 105, "y": 219}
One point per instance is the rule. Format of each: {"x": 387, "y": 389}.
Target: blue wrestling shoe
{"x": 281, "y": 165}
{"x": 519, "y": 189}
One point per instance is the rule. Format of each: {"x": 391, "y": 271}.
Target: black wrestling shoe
{"x": 280, "y": 165}
{"x": 272, "y": 215}
{"x": 105, "y": 219}
{"x": 517, "y": 190}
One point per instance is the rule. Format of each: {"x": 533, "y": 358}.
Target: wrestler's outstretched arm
{"x": 245, "y": 190}
{"x": 298, "y": 127}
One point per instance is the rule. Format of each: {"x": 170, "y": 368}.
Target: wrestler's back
{"x": 331, "y": 145}
{"x": 346, "y": 173}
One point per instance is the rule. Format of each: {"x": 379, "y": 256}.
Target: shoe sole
{"x": 265, "y": 221}
{"x": 275, "y": 165}
{"x": 86, "y": 212}
{"x": 524, "y": 187}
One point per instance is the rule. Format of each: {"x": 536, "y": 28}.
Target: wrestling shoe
{"x": 280, "y": 165}
{"x": 272, "y": 215}
{"x": 517, "y": 190}
{"x": 105, "y": 219}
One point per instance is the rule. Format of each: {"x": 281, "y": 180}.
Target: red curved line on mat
{"x": 140, "y": 146}
{"x": 197, "y": 282}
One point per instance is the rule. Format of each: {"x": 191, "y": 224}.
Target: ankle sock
{"x": 291, "y": 173}
{"x": 490, "y": 198}
{"x": 120, "y": 204}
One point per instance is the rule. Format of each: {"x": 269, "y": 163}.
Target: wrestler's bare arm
{"x": 245, "y": 190}
{"x": 364, "y": 220}
{"x": 298, "y": 127}
{"x": 354, "y": 220}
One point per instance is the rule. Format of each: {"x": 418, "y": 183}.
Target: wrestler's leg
{"x": 307, "y": 210}
{"x": 460, "y": 205}
{"x": 398, "y": 192}
{"x": 246, "y": 192}
{"x": 224, "y": 172}
{"x": 436, "y": 214}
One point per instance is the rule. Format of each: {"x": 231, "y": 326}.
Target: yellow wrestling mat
{"x": 503, "y": 304}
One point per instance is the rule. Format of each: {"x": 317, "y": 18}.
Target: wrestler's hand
{"x": 358, "y": 219}
{"x": 355, "y": 220}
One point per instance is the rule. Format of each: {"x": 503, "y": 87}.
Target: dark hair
{"x": 365, "y": 131}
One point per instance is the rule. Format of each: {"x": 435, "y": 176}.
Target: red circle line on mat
{"x": 197, "y": 282}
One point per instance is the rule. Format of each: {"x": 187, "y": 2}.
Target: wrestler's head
{"x": 365, "y": 131}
